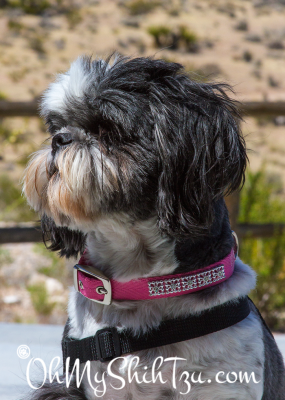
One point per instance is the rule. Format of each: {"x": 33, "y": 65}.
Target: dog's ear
{"x": 202, "y": 153}
{"x": 67, "y": 242}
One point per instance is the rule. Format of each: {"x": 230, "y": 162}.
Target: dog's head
{"x": 135, "y": 136}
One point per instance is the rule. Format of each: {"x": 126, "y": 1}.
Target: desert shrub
{"x": 228, "y": 8}
{"x": 18, "y": 74}
{"x": 3, "y": 96}
{"x": 174, "y": 11}
{"x": 188, "y": 39}
{"x": 137, "y": 7}
{"x": 5, "y": 257}
{"x": 163, "y": 36}
{"x": 242, "y": 25}
{"x": 56, "y": 269}
{"x": 15, "y": 25}
{"x": 177, "y": 38}
{"x": 272, "y": 81}
{"x": 247, "y": 56}
{"x": 276, "y": 45}
{"x": 5, "y": 132}
{"x": 13, "y": 206}
{"x": 73, "y": 16}
{"x": 253, "y": 37}
{"x": 30, "y": 6}
{"x": 36, "y": 43}
{"x": 262, "y": 202}
{"x": 11, "y": 136}
{"x": 40, "y": 299}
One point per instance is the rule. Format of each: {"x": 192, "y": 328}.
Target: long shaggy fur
{"x": 155, "y": 134}
{"x": 56, "y": 391}
{"x": 139, "y": 159}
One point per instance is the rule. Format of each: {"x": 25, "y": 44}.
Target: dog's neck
{"x": 126, "y": 250}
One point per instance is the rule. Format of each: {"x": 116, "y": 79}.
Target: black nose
{"x": 59, "y": 140}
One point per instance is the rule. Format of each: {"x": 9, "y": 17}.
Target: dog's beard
{"x": 70, "y": 185}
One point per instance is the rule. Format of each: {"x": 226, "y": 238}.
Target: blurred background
{"x": 241, "y": 42}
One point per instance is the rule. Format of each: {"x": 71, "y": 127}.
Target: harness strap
{"x": 261, "y": 317}
{"x": 109, "y": 343}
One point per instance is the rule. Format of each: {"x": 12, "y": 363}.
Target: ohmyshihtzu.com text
{"x": 130, "y": 365}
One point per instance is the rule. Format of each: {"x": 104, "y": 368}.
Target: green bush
{"x": 13, "y": 206}
{"x": 73, "y": 17}
{"x": 188, "y": 38}
{"x": 177, "y": 38}
{"x": 262, "y": 202}
{"x": 5, "y": 257}
{"x": 15, "y": 25}
{"x": 30, "y": 6}
{"x": 40, "y": 299}
{"x": 163, "y": 37}
{"x": 56, "y": 269}
{"x": 36, "y": 43}
{"x": 3, "y": 96}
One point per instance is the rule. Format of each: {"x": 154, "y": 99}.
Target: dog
{"x": 134, "y": 176}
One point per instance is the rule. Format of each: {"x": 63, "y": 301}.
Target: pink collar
{"x": 91, "y": 283}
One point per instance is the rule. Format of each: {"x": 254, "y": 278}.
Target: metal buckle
{"x": 105, "y": 289}
{"x": 116, "y": 344}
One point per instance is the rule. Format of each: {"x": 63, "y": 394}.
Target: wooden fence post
{"x": 232, "y": 202}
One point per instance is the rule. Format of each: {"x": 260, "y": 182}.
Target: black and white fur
{"x": 139, "y": 159}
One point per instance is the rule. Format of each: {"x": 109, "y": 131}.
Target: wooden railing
{"x": 31, "y": 233}
{"x": 19, "y": 108}
{"x": 20, "y": 234}
{"x": 31, "y": 108}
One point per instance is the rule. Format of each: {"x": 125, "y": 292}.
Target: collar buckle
{"x": 107, "y": 344}
{"x": 104, "y": 290}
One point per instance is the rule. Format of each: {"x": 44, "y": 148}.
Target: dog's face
{"x": 137, "y": 137}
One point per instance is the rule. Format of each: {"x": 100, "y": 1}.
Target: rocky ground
{"x": 241, "y": 42}
{"x": 33, "y": 284}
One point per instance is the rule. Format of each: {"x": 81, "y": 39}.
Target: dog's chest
{"x": 213, "y": 367}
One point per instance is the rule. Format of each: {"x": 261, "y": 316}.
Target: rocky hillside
{"x": 238, "y": 41}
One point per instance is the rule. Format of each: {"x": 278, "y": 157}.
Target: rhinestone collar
{"x": 95, "y": 286}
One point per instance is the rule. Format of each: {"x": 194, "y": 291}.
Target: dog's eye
{"x": 98, "y": 131}
{"x": 95, "y": 131}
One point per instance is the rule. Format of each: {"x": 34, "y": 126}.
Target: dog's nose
{"x": 60, "y": 139}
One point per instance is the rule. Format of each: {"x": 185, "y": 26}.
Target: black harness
{"x": 109, "y": 343}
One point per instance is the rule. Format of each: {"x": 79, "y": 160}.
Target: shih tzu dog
{"x": 139, "y": 160}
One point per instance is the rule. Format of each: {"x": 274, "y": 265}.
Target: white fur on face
{"x": 71, "y": 84}
{"x": 72, "y": 193}
{"x": 36, "y": 180}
